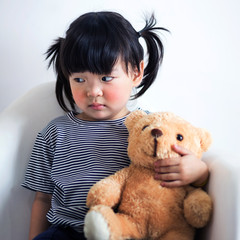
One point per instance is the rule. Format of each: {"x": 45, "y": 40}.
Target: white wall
{"x": 200, "y": 77}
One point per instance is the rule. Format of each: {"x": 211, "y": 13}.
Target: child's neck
{"x": 85, "y": 117}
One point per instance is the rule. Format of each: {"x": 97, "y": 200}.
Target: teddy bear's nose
{"x": 156, "y": 133}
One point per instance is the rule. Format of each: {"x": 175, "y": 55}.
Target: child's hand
{"x": 182, "y": 170}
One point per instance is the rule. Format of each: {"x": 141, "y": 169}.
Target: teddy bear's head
{"x": 151, "y": 137}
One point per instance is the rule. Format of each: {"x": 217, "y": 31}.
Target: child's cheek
{"x": 112, "y": 96}
{"x": 78, "y": 97}
{"x": 116, "y": 96}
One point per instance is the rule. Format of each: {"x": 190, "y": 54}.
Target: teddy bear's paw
{"x": 198, "y": 208}
{"x": 96, "y": 227}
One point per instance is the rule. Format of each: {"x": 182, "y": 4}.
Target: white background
{"x": 199, "y": 79}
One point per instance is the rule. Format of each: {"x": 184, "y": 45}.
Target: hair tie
{"x": 140, "y": 34}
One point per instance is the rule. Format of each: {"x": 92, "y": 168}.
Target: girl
{"x": 98, "y": 64}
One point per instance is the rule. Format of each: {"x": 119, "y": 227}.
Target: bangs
{"x": 93, "y": 45}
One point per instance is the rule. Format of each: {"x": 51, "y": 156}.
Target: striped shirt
{"x": 68, "y": 157}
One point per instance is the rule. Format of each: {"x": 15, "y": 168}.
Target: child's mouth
{"x": 97, "y": 106}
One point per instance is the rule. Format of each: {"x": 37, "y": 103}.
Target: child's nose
{"x": 94, "y": 90}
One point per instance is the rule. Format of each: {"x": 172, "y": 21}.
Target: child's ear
{"x": 138, "y": 74}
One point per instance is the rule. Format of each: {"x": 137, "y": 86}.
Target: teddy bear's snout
{"x": 156, "y": 133}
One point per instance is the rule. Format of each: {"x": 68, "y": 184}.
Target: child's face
{"x": 102, "y": 97}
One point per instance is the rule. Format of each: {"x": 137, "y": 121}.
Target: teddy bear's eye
{"x": 145, "y": 127}
{"x": 179, "y": 137}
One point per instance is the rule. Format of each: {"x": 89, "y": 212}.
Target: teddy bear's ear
{"x": 133, "y": 118}
{"x": 206, "y": 139}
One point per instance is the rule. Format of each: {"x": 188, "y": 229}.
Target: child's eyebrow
{"x": 78, "y": 74}
{"x": 117, "y": 69}
{"x": 114, "y": 70}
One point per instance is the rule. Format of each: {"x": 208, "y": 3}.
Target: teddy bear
{"x": 131, "y": 204}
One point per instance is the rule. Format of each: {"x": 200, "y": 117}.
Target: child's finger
{"x": 167, "y": 177}
{"x": 181, "y": 150}
{"x": 166, "y": 162}
{"x": 168, "y": 169}
{"x": 172, "y": 184}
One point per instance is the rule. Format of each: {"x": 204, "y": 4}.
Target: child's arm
{"x": 40, "y": 207}
{"x": 183, "y": 170}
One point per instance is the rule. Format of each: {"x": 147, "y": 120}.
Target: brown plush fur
{"x": 145, "y": 209}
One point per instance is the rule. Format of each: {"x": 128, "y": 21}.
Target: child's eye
{"x": 79, "y": 80}
{"x": 107, "y": 79}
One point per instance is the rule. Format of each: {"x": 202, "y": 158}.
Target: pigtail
{"x": 155, "y": 54}
{"x": 62, "y": 88}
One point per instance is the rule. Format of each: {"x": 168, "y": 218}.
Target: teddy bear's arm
{"x": 197, "y": 207}
{"x": 108, "y": 190}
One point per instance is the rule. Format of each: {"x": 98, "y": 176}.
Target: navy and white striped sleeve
{"x": 38, "y": 174}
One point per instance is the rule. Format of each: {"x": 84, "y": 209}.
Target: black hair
{"x": 95, "y": 41}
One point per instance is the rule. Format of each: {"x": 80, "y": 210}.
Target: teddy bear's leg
{"x": 197, "y": 208}
{"x": 101, "y": 223}
{"x": 96, "y": 227}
